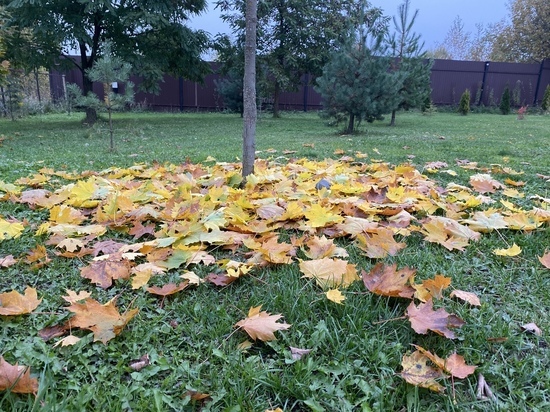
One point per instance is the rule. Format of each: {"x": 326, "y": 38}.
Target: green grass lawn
{"x": 356, "y": 348}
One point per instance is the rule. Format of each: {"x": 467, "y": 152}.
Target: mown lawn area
{"x": 172, "y": 190}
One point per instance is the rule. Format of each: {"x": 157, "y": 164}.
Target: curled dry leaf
{"x": 533, "y": 328}
{"x": 298, "y": 353}
{"x": 388, "y": 281}
{"x": 141, "y": 363}
{"x": 545, "y": 260}
{"x": 168, "y": 289}
{"x": 261, "y": 325}
{"x": 417, "y": 372}
{"x": 16, "y": 378}
{"x": 469, "y": 297}
{"x": 67, "y": 341}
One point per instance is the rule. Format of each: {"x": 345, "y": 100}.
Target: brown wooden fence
{"x": 449, "y": 79}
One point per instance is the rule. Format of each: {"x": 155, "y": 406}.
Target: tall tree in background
{"x": 456, "y": 44}
{"x": 527, "y": 37}
{"x": 410, "y": 60}
{"x": 249, "y": 89}
{"x": 294, "y": 37}
{"x": 358, "y": 81}
{"x": 150, "y": 35}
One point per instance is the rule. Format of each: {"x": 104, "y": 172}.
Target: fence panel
{"x": 449, "y": 78}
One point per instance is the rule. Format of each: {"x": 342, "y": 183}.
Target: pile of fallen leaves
{"x": 173, "y": 216}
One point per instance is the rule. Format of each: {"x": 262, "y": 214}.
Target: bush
{"x": 546, "y": 100}
{"x": 505, "y": 101}
{"x": 464, "y": 105}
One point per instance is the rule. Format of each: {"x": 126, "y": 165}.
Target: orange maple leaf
{"x": 388, "y": 281}
{"x": 103, "y": 320}
{"x": 38, "y": 257}
{"x": 484, "y": 183}
{"x": 16, "y": 378}
{"x": 261, "y": 325}
{"x": 454, "y": 365}
{"x": 424, "y": 318}
{"x": 13, "y": 303}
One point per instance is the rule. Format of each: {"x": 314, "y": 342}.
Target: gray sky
{"x": 434, "y": 19}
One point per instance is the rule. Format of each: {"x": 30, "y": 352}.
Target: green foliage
{"x": 230, "y": 89}
{"x": 357, "y": 81}
{"x": 148, "y": 35}
{"x": 294, "y": 37}
{"x": 108, "y": 69}
{"x": 545, "y": 105}
{"x": 505, "y": 101}
{"x": 464, "y": 105}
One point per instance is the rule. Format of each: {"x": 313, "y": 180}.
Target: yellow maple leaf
{"x": 261, "y": 325}
{"x": 318, "y": 216}
{"x": 514, "y": 250}
{"x": 10, "y": 230}
{"x": 335, "y": 295}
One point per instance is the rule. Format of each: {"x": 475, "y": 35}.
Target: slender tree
{"x": 150, "y": 35}
{"x": 249, "y": 89}
{"x": 409, "y": 59}
{"x": 358, "y": 81}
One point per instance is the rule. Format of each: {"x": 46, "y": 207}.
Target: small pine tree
{"x": 546, "y": 100}
{"x": 464, "y": 105}
{"x": 505, "y": 101}
{"x": 108, "y": 69}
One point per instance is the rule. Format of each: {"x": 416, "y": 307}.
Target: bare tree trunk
{"x": 351, "y": 124}
{"x": 392, "y": 122}
{"x": 276, "y": 95}
{"x": 249, "y": 89}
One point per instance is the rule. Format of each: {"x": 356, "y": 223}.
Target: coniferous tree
{"x": 545, "y": 105}
{"x": 357, "y": 80}
{"x": 410, "y": 60}
{"x": 505, "y": 101}
{"x": 464, "y": 105}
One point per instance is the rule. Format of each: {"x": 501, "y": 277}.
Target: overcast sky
{"x": 433, "y": 21}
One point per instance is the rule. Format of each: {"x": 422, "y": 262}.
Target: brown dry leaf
{"x": 103, "y": 272}
{"x": 424, "y": 318}
{"x": 168, "y": 289}
{"x": 329, "y": 273}
{"x": 38, "y": 257}
{"x": 261, "y": 325}
{"x": 275, "y": 252}
{"x": 321, "y": 247}
{"x": 7, "y": 261}
{"x": 220, "y": 279}
{"x": 469, "y": 297}
{"x": 50, "y": 332}
{"x": 197, "y": 396}
{"x": 388, "y": 281}
{"x": 545, "y": 260}
{"x": 533, "y": 328}
{"x": 103, "y": 320}
{"x": 13, "y": 303}
{"x": 417, "y": 372}
{"x": 16, "y": 378}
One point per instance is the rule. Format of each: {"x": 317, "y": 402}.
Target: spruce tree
{"x": 357, "y": 80}
{"x": 464, "y": 105}
{"x": 410, "y": 60}
{"x": 505, "y": 101}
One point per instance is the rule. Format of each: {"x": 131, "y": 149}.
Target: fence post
{"x": 485, "y": 70}
{"x": 538, "y": 82}
{"x": 181, "y": 93}
{"x": 306, "y": 85}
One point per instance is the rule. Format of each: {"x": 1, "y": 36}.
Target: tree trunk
{"x": 392, "y": 122}
{"x": 351, "y": 124}
{"x": 249, "y": 89}
{"x": 86, "y": 62}
{"x": 276, "y": 94}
